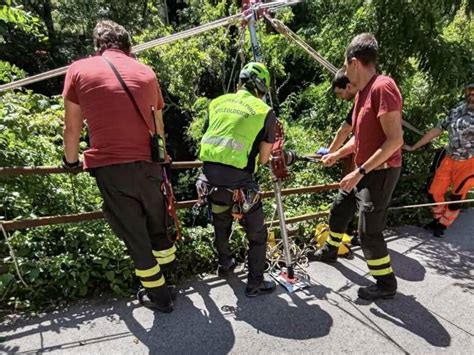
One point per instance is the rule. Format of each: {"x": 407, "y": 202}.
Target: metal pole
{"x": 257, "y": 54}
{"x": 283, "y": 230}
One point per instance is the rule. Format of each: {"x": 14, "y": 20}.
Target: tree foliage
{"x": 426, "y": 46}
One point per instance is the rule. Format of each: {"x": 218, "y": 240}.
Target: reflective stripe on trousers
{"x": 165, "y": 256}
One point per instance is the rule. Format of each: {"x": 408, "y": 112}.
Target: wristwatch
{"x": 362, "y": 171}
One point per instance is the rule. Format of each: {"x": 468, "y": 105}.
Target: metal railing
{"x": 10, "y": 225}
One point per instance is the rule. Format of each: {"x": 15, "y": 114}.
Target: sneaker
{"x": 146, "y": 301}
{"x": 326, "y": 254}
{"x": 264, "y": 288}
{"x": 224, "y": 271}
{"x": 374, "y": 292}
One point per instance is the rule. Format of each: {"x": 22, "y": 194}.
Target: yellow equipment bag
{"x": 321, "y": 234}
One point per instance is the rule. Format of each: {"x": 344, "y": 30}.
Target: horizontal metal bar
{"x": 45, "y": 170}
{"x": 305, "y": 217}
{"x": 89, "y": 216}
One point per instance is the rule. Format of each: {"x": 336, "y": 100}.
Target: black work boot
{"x": 432, "y": 225}
{"x": 438, "y": 231}
{"x": 226, "y": 270}
{"x": 264, "y": 288}
{"x": 355, "y": 240}
{"x": 173, "y": 292}
{"x": 327, "y": 254}
{"x": 159, "y": 300}
{"x": 375, "y": 292}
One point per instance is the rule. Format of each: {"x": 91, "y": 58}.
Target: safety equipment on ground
{"x": 258, "y": 74}
{"x": 322, "y": 236}
{"x": 235, "y": 120}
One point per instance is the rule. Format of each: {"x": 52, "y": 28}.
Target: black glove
{"x": 65, "y": 164}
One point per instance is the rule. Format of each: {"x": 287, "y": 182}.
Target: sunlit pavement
{"x": 432, "y": 312}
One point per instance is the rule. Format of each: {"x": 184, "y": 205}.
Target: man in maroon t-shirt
{"x": 376, "y": 144}
{"x": 119, "y": 156}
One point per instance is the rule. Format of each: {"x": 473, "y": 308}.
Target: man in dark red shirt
{"x": 376, "y": 144}
{"x": 119, "y": 156}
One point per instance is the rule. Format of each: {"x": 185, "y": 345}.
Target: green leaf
{"x": 5, "y": 280}
{"x": 110, "y": 275}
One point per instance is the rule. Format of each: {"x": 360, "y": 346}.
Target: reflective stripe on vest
{"x": 224, "y": 142}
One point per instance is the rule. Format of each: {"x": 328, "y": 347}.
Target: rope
{"x": 12, "y": 254}
{"x": 155, "y": 43}
{"x": 136, "y": 49}
{"x": 285, "y": 31}
{"x": 430, "y": 204}
{"x": 237, "y": 54}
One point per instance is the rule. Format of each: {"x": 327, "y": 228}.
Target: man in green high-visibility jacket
{"x": 239, "y": 134}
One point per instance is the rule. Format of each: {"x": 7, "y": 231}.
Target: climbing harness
{"x": 240, "y": 200}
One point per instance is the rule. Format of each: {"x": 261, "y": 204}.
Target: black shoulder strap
{"x": 127, "y": 90}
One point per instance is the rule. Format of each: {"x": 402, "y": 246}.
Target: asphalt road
{"x": 432, "y": 313}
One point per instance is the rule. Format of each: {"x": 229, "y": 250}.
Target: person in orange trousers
{"x": 455, "y": 166}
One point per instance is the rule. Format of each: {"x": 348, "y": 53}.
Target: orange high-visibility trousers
{"x": 457, "y": 175}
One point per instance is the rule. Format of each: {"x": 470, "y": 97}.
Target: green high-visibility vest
{"x": 234, "y": 123}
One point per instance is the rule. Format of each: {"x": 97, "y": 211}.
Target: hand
{"x": 408, "y": 148}
{"x": 71, "y": 166}
{"x": 351, "y": 180}
{"x": 329, "y": 159}
{"x": 322, "y": 151}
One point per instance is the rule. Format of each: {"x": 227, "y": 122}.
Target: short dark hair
{"x": 108, "y": 35}
{"x": 363, "y": 47}
{"x": 340, "y": 79}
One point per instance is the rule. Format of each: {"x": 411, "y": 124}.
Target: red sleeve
{"x": 386, "y": 98}
{"x": 161, "y": 103}
{"x": 69, "y": 91}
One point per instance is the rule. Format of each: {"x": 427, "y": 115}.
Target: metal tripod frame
{"x": 257, "y": 54}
